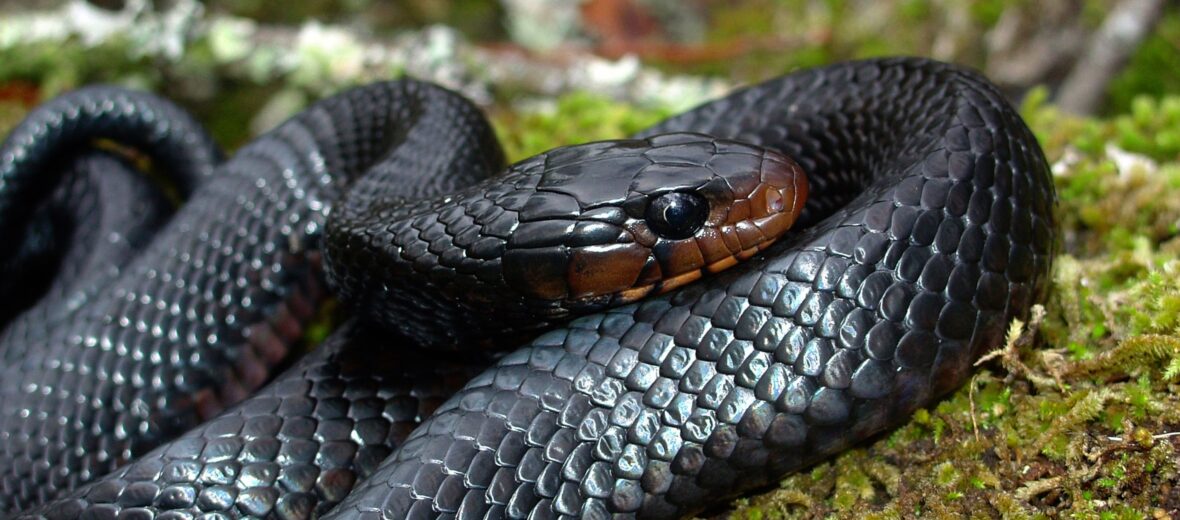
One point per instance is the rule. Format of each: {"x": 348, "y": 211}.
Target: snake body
{"x": 928, "y": 228}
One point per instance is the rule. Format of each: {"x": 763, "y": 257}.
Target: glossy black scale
{"x": 909, "y": 267}
{"x": 193, "y": 318}
{"x": 917, "y": 249}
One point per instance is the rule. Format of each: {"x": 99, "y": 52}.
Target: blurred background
{"x": 244, "y": 64}
{"x": 1077, "y": 416}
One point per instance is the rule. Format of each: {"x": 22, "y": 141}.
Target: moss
{"x": 574, "y": 118}
{"x": 1110, "y": 173}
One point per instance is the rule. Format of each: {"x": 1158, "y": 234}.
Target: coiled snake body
{"x": 927, "y": 229}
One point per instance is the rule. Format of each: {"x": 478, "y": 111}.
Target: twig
{"x": 1159, "y": 436}
{"x": 971, "y": 399}
{"x": 1020, "y": 336}
{"x": 1039, "y": 487}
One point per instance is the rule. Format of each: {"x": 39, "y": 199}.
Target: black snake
{"x": 928, "y": 228}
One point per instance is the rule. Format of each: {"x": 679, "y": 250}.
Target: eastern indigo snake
{"x": 927, "y": 229}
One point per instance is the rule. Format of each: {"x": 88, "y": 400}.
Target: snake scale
{"x": 927, "y": 227}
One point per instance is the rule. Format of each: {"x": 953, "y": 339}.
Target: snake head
{"x": 613, "y": 221}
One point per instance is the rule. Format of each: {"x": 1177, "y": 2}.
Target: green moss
{"x": 1110, "y": 174}
{"x": 575, "y": 118}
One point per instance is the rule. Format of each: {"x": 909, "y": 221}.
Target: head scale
{"x": 613, "y": 221}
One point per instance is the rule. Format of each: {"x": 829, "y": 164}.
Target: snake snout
{"x": 774, "y": 204}
{"x": 755, "y": 197}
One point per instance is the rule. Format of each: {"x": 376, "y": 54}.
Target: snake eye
{"x": 677, "y": 215}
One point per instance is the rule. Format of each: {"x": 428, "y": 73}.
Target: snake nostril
{"x": 774, "y": 201}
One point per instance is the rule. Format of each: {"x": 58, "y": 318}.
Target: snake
{"x": 735, "y": 201}
{"x": 702, "y": 370}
